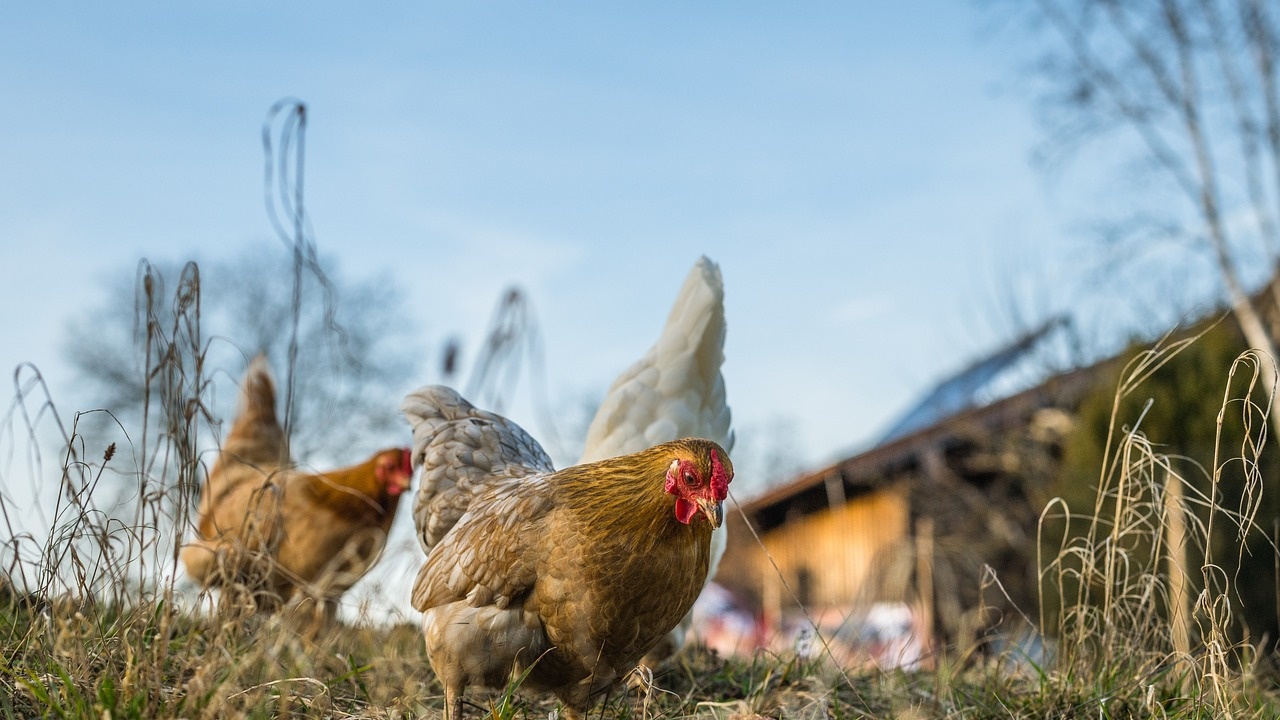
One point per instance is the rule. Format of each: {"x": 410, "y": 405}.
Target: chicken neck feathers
{"x": 352, "y": 493}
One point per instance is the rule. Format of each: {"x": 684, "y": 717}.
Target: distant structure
{"x": 953, "y": 486}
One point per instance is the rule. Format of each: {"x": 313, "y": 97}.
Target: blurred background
{"x": 506, "y": 196}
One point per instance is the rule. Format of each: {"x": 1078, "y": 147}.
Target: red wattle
{"x": 685, "y": 510}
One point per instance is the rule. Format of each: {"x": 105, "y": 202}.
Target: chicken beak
{"x": 713, "y": 510}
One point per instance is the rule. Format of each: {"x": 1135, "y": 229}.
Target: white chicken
{"x": 674, "y": 391}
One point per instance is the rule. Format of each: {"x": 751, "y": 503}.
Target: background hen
{"x": 572, "y": 575}
{"x": 675, "y": 391}
{"x": 276, "y": 531}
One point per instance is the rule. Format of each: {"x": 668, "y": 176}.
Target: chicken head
{"x": 700, "y": 484}
{"x": 394, "y": 470}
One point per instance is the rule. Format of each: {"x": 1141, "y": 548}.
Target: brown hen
{"x": 571, "y": 576}
{"x": 280, "y": 533}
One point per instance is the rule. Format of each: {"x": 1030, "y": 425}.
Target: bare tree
{"x": 357, "y": 349}
{"x": 1193, "y": 84}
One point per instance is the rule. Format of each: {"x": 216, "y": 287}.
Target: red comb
{"x": 719, "y": 477}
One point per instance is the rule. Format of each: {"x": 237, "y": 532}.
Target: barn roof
{"x": 976, "y": 385}
{"x": 950, "y": 412}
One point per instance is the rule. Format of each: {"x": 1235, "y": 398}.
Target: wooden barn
{"x": 954, "y": 488}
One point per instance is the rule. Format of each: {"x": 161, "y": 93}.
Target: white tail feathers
{"x": 675, "y": 390}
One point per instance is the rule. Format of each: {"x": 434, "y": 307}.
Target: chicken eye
{"x": 692, "y": 480}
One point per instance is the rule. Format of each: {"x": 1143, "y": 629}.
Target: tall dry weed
{"x": 1132, "y": 620}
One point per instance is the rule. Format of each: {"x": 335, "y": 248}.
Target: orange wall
{"x": 839, "y": 548}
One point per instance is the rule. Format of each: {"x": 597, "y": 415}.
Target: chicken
{"x": 572, "y": 575}
{"x": 279, "y": 532}
{"x": 674, "y": 391}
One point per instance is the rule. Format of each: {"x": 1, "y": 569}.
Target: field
{"x": 83, "y": 661}
{"x": 148, "y": 659}
{"x": 92, "y": 624}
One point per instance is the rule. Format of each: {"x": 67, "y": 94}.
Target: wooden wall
{"x": 829, "y": 558}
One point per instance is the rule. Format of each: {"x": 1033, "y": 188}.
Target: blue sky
{"x": 859, "y": 170}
